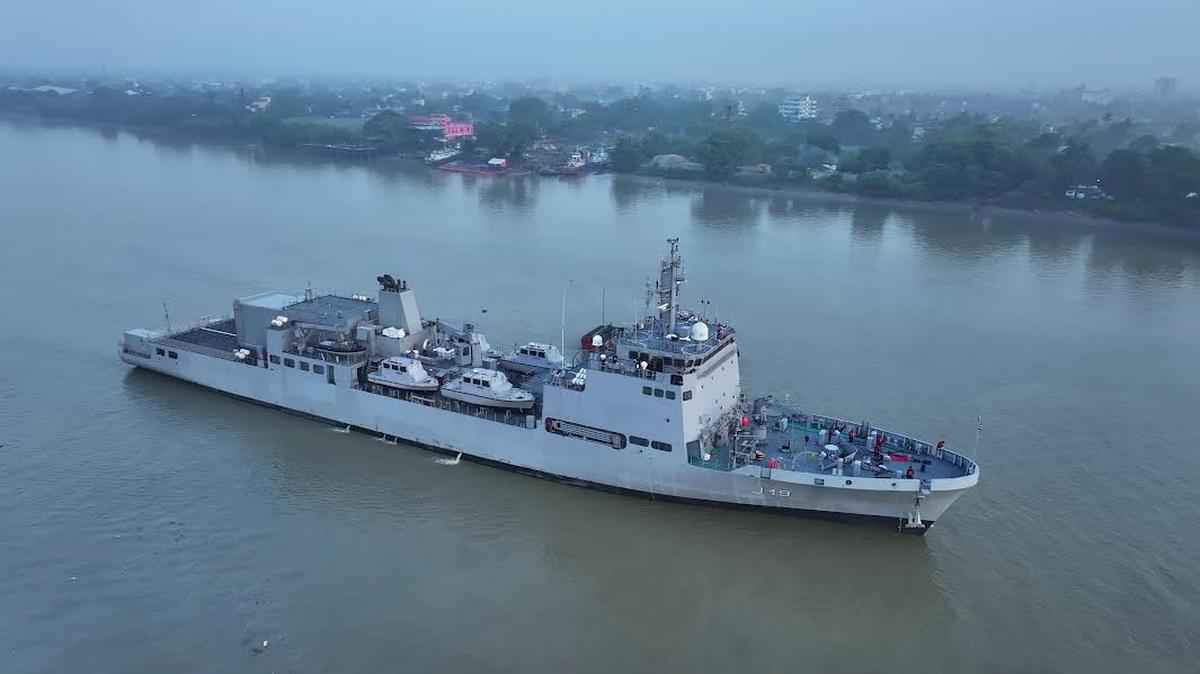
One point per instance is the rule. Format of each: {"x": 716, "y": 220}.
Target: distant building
{"x": 1096, "y": 96}
{"x": 1085, "y": 192}
{"x": 259, "y": 105}
{"x": 440, "y": 122}
{"x": 798, "y": 108}
{"x": 823, "y": 171}
{"x": 675, "y": 162}
{"x": 755, "y": 170}
{"x": 433, "y": 122}
{"x": 48, "y": 89}
{"x": 1164, "y": 87}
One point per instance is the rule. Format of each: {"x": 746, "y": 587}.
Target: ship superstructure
{"x": 655, "y": 407}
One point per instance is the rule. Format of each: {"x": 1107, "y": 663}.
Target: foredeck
{"x": 800, "y": 446}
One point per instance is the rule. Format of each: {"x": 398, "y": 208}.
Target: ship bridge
{"x": 671, "y": 339}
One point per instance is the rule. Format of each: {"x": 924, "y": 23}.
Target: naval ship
{"x": 654, "y": 408}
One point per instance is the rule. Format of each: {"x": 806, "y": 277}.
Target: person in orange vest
{"x": 909, "y": 473}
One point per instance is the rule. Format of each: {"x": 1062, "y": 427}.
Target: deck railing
{"x": 508, "y": 417}
{"x": 804, "y": 422}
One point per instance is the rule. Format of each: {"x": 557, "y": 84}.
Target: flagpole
{"x": 978, "y": 431}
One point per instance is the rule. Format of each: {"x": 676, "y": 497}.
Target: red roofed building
{"x": 440, "y": 122}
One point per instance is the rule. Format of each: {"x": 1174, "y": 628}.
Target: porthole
{"x": 849, "y": 482}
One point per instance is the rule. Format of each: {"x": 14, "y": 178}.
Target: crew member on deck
{"x": 909, "y": 473}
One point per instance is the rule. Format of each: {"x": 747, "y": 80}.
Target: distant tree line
{"x": 966, "y": 157}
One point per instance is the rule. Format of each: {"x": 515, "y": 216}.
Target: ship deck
{"x": 217, "y": 338}
{"x": 799, "y": 448}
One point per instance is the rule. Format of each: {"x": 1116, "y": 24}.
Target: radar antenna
{"x": 670, "y": 282}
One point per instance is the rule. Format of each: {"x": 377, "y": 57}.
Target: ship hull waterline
{"x": 525, "y": 450}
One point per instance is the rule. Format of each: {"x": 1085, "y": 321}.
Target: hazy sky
{"x": 921, "y": 43}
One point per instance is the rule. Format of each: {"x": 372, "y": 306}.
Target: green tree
{"x": 393, "y": 130}
{"x": 1143, "y": 143}
{"x": 877, "y": 184}
{"x": 385, "y": 126}
{"x": 530, "y": 110}
{"x": 627, "y": 155}
{"x": 824, "y": 141}
{"x": 723, "y": 151}
{"x": 852, "y": 127}
{"x": 873, "y": 158}
{"x": 506, "y": 140}
{"x": 288, "y": 103}
{"x": 1075, "y": 164}
{"x": 1125, "y": 173}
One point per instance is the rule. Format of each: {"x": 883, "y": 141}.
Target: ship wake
{"x": 449, "y": 462}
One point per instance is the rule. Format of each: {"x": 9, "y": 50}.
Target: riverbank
{"x": 808, "y": 194}
{"x": 972, "y": 208}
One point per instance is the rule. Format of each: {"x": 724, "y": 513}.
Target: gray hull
{"x": 522, "y": 443}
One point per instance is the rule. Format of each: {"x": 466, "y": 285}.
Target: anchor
{"x": 913, "y": 521}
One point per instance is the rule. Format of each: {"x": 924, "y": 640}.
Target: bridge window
{"x": 318, "y": 369}
{"x": 275, "y": 359}
{"x": 639, "y": 441}
{"x": 687, "y": 395}
{"x": 646, "y": 390}
{"x": 661, "y": 446}
{"x": 289, "y": 362}
{"x": 161, "y": 352}
{"x": 172, "y": 354}
{"x": 670, "y": 395}
{"x": 304, "y": 366}
{"x": 658, "y": 393}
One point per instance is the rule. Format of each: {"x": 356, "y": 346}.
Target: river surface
{"x": 147, "y": 525}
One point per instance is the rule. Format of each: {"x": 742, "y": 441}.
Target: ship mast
{"x": 670, "y": 281}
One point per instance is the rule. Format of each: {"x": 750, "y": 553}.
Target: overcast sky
{"x": 980, "y": 44}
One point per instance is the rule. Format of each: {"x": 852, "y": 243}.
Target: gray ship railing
{"x": 582, "y": 360}
{"x": 330, "y": 356}
{"x": 894, "y": 441}
{"x": 196, "y": 348}
{"x": 804, "y": 422}
{"x": 508, "y": 417}
{"x": 652, "y": 339}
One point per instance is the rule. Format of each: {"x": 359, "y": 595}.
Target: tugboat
{"x": 489, "y": 388}
{"x": 574, "y": 166}
{"x": 442, "y": 155}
